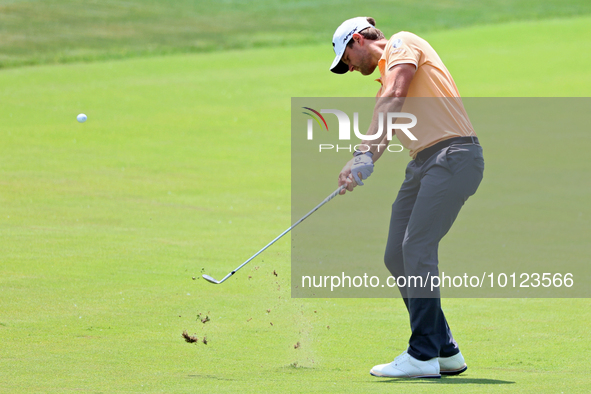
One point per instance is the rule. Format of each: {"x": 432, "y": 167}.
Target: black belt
{"x": 426, "y": 153}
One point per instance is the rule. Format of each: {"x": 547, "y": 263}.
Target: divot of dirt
{"x": 189, "y": 338}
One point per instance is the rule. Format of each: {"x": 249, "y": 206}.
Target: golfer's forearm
{"x": 380, "y": 147}
{"x": 371, "y": 145}
{"x": 383, "y": 106}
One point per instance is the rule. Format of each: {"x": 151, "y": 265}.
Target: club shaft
{"x": 327, "y": 199}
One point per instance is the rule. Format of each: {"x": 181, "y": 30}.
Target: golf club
{"x": 327, "y": 199}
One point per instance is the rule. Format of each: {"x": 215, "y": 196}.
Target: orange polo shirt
{"x": 433, "y": 96}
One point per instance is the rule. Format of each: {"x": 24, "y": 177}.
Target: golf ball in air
{"x": 81, "y": 118}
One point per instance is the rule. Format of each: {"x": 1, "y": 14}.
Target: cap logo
{"x": 349, "y": 35}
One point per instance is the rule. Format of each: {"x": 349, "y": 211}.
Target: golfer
{"x": 446, "y": 168}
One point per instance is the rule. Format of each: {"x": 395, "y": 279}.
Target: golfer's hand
{"x": 345, "y": 178}
{"x": 362, "y": 167}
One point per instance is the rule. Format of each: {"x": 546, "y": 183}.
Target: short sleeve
{"x": 402, "y": 49}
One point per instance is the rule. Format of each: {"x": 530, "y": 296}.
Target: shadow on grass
{"x": 444, "y": 380}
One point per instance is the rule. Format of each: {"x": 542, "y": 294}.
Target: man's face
{"x": 357, "y": 57}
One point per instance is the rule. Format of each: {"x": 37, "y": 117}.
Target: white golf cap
{"x": 340, "y": 39}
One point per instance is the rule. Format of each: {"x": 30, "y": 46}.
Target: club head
{"x": 210, "y": 279}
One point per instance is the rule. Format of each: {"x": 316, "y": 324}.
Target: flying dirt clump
{"x": 203, "y": 320}
{"x": 189, "y": 338}
{"x": 192, "y": 338}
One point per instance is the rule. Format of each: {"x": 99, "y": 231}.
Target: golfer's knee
{"x": 411, "y": 252}
{"x": 394, "y": 260}
{"x": 419, "y": 257}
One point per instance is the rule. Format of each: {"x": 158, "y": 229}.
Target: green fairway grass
{"x": 183, "y": 168}
{"x": 58, "y": 31}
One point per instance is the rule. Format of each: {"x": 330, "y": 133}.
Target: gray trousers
{"x": 429, "y": 200}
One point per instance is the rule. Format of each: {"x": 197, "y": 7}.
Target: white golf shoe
{"x": 453, "y": 365}
{"x": 406, "y": 366}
